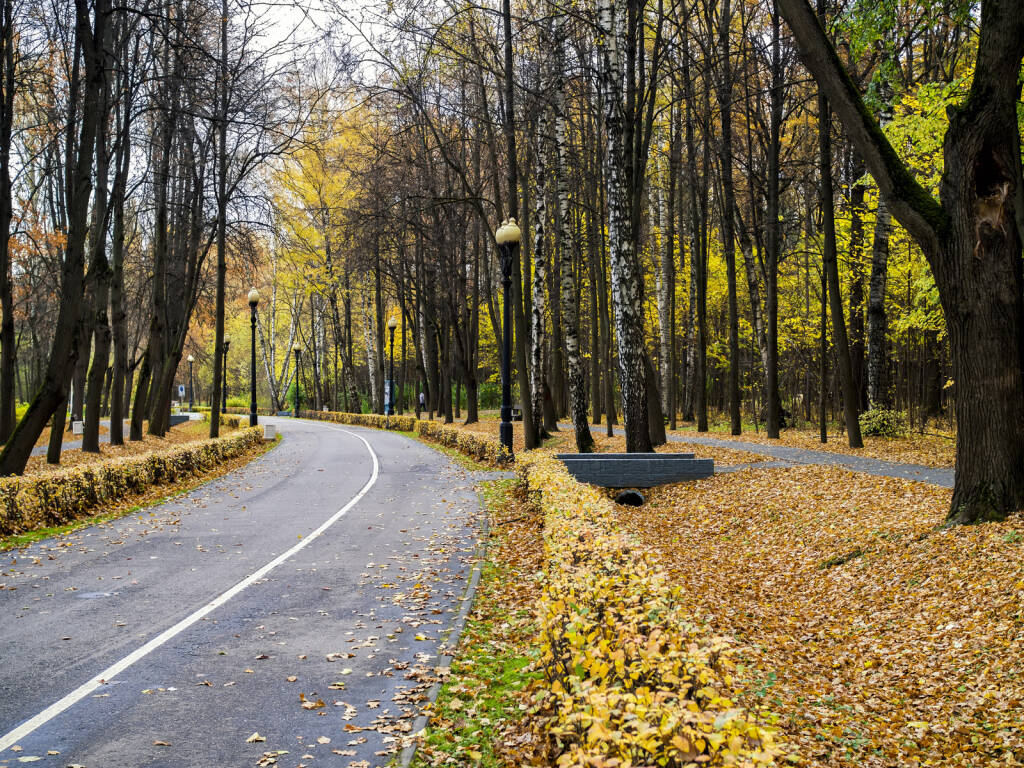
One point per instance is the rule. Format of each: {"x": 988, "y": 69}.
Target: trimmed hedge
{"x": 245, "y": 411}
{"x": 629, "y": 677}
{"x": 230, "y": 421}
{"x": 28, "y": 503}
{"x": 394, "y": 423}
{"x": 483, "y": 449}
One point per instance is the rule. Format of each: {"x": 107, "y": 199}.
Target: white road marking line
{"x": 23, "y": 730}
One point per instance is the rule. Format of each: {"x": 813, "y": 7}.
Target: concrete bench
{"x": 636, "y": 470}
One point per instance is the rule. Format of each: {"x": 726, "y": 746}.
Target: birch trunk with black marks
{"x": 625, "y": 275}
{"x": 538, "y": 305}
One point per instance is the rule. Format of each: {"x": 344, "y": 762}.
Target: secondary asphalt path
{"x": 335, "y": 568}
{"x": 784, "y": 454}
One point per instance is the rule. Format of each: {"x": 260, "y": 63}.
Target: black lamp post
{"x": 224, "y": 393}
{"x": 392, "y": 324}
{"x": 254, "y": 300}
{"x": 507, "y": 238}
{"x": 298, "y": 375}
{"x": 190, "y": 387}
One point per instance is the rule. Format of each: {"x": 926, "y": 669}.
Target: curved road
{"x": 304, "y": 597}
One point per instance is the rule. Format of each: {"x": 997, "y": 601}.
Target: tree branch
{"x": 910, "y": 203}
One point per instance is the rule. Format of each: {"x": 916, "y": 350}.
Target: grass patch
{"x": 478, "y": 710}
{"x": 157, "y": 495}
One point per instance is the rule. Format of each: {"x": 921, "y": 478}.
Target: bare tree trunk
{"x": 856, "y": 261}
{"x": 569, "y": 300}
{"x": 100, "y": 268}
{"x": 831, "y": 267}
{"x": 878, "y": 386}
{"x": 729, "y": 205}
{"x": 823, "y": 361}
{"x": 8, "y": 352}
{"x": 668, "y": 340}
{"x": 222, "y": 211}
{"x": 771, "y": 362}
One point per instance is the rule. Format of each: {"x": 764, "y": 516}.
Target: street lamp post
{"x": 507, "y": 238}
{"x": 224, "y": 388}
{"x": 298, "y": 375}
{"x": 191, "y": 389}
{"x": 254, "y": 300}
{"x": 392, "y": 324}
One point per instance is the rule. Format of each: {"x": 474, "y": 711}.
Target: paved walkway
{"x": 74, "y": 445}
{"x": 784, "y": 455}
{"x": 792, "y": 455}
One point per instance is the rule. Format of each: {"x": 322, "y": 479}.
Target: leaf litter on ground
{"x": 880, "y": 637}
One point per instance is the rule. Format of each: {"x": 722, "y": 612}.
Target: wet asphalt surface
{"x": 327, "y": 656}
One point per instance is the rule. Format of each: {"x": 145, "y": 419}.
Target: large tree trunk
{"x": 978, "y": 273}
{"x": 117, "y": 309}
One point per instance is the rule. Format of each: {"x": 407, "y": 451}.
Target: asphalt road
{"x": 324, "y": 574}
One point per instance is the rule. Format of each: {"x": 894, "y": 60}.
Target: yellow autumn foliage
{"x": 629, "y": 678}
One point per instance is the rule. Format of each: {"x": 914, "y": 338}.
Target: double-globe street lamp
{"x": 190, "y": 386}
{"x": 507, "y": 238}
{"x": 254, "y": 300}
{"x": 392, "y": 324}
{"x": 298, "y": 376}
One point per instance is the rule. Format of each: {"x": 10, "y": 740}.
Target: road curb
{"x": 451, "y": 639}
